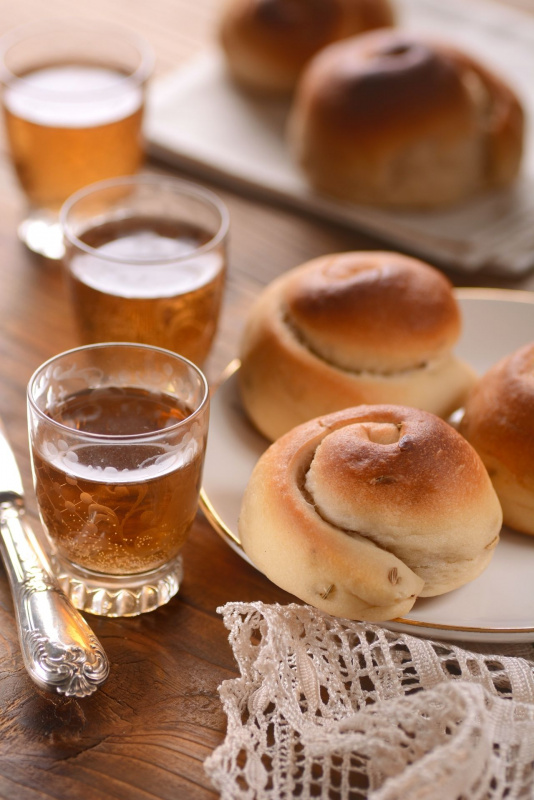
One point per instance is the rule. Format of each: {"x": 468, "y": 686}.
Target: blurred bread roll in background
{"x": 360, "y": 512}
{"x": 267, "y": 42}
{"x": 391, "y": 119}
{"x": 351, "y": 328}
{"x": 499, "y": 423}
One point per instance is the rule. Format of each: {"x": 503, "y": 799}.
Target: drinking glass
{"x": 117, "y": 435}
{"x": 145, "y": 262}
{"x": 73, "y": 99}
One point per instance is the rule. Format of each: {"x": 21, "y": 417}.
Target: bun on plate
{"x": 362, "y": 511}
{"x": 351, "y": 328}
{"x": 499, "y": 423}
{"x": 392, "y": 119}
{"x": 267, "y": 42}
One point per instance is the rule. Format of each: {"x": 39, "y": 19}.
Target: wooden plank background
{"x": 145, "y": 734}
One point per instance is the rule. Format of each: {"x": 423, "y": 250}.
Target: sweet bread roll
{"x": 267, "y": 42}
{"x": 362, "y": 511}
{"x": 499, "y": 423}
{"x": 391, "y": 119}
{"x": 351, "y": 328}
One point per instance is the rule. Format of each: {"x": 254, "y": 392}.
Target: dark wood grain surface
{"x": 146, "y": 733}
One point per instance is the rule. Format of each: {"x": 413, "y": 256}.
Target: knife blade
{"x": 60, "y": 651}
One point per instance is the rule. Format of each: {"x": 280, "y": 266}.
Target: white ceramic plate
{"x": 496, "y": 607}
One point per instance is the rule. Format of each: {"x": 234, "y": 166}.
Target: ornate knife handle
{"x": 60, "y": 651}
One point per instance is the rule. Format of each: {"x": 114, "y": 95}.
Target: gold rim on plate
{"x": 231, "y": 538}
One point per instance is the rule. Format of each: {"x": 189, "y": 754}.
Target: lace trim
{"x": 328, "y": 708}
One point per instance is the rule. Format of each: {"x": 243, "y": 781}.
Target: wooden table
{"x": 146, "y": 733}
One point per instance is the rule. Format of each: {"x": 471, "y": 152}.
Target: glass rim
{"x": 138, "y": 76}
{"x": 128, "y": 437}
{"x": 183, "y": 186}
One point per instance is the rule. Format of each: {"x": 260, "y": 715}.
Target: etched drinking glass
{"x": 73, "y": 100}
{"x": 146, "y": 262}
{"x": 117, "y": 435}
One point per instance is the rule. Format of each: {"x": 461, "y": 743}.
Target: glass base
{"x": 118, "y": 595}
{"x": 42, "y": 234}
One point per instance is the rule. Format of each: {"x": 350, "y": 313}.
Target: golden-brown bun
{"x": 268, "y": 42}
{"x": 351, "y": 328}
{"x": 362, "y": 511}
{"x": 499, "y": 423}
{"x": 391, "y": 119}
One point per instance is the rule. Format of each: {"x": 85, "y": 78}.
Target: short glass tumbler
{"x": 73, "y": 100}
{"x": 146, "y": 262}
{"x": 117, "y": 435}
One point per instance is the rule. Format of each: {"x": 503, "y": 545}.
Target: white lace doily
{"x": 328, "y": 708}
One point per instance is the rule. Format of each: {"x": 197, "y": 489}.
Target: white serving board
{"x": 198, "y": 119}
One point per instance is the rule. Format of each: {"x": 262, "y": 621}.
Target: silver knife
{"x": 60, "y": 651}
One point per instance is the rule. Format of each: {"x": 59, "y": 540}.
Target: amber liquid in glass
{"x": 174, "y": 304}
{"x": 118, "y": 508}
{"x": 71, "y": 125}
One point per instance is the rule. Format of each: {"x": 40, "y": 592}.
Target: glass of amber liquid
{"x": 145, "y": 261}
{"x": 117, "y": 436}
{"x": 73, "y": 98}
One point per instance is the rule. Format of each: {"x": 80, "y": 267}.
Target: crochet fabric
{"x": 329, "y": 708}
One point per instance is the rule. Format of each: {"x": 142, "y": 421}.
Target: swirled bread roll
{"x": 351, "y": 328}
{"x": 499, "y": 423}
{"x": 267, "y": 42}
{"x": 392, "y": 119}
{"x": 362, "y": 511}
